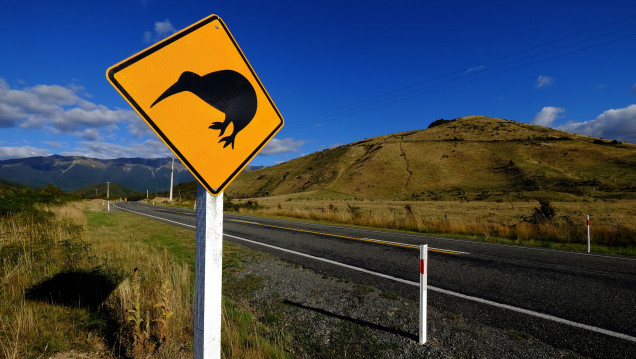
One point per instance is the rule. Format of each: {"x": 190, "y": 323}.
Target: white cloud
{"x": 58, "y": 109}
{"x": 22, "y": 152}
{"x": 276, "y": 146}
{"x": 547, "y": 116}
{"x": 476, "y": 68}
{"x": 619, "y": 124}
{"x": 544, "y": 81}
{"x": 139, "y": 128}
{"x": 91, "y": 134}
{"x": 153, "y": 148}
{"x": 162, "y": 30}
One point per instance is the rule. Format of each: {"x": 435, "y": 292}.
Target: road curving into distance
{"x": 571, "y": 300}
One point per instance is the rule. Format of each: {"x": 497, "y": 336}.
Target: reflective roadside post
{"x": 588, "y": 233}
{"x": 423, "y": 293}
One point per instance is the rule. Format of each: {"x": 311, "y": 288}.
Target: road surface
{"x": 571, "y": 300}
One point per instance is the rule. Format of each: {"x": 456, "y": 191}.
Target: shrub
{"x": 354, "y": 211}
{"x": 439, "y": 122}
{"x": 542, "y": 214}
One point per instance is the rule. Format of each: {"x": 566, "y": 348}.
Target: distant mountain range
{"x": 73, "y": 173}
{"x": 469, "y": 158}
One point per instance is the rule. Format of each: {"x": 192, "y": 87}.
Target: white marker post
{"x": 423, "y": 292}
{"x": 588, "y": 233}
{"x": 208, "y": 275}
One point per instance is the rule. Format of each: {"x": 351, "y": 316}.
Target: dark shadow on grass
{"x": 85, "y": 289}
{"x": 76, "y": 289}
{"x": 353, "y": 320}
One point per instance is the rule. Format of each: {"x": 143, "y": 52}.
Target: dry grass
{"x": 473, "y": 158}
{"x": 133, "y": 249}
{"x": 613, "y": 223}
{"x": 33, "y": 246}
{"x": 242, "y": 336}
{"x": 80, "y": 239}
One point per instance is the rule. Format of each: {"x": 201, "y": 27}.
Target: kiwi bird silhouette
{"x": 227, "y": 91}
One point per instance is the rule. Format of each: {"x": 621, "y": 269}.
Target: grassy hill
{"x": 470, "y": 158}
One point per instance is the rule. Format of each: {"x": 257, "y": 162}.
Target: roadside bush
{"x": 229, "y": 205}
{"x": 354, "y": 211}
{"x": 542, "y": 214}
{"x": 15, "y": 200}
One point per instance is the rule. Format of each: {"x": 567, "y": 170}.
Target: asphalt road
{"x": 572, "y": 300}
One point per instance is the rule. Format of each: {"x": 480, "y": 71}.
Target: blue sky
{"x": 338, "y": 71}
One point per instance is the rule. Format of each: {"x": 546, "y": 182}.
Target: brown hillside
{"x": 473, "y": 157}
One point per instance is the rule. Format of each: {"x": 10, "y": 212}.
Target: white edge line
{"x": 159, "y": 218}
{"x": 536, "y": 314}
{"x": 416, "y": 284}
{"x": 325, "y": 260}
{"x": 455, "y": 294}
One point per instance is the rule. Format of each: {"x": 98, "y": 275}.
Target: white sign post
{"x": 208, "y": 275}
{"x": 205, "y": 65}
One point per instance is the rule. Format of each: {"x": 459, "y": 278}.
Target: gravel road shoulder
{"x": 327, "y": 317}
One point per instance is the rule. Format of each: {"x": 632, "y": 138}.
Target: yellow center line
{"x": 346, "y": 237}
{"x": 327, "y": 234}
{"x": 179, "y": 212}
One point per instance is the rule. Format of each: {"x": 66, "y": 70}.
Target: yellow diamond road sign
{"x": 198, "y": 92}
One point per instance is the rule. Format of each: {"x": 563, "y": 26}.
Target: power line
{"x": 418, "y": 89}
{"x": 397, "y": 99}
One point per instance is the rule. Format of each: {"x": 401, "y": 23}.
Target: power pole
{"x": 107, "y": 190}
{"x": 171, "y": 178}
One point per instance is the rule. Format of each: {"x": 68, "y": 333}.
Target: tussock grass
{"x": 242, "y": 335}
{"x": 613, "y": 223}
{"x": 34, "y": 245}
{"x": 122, "y": 257}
